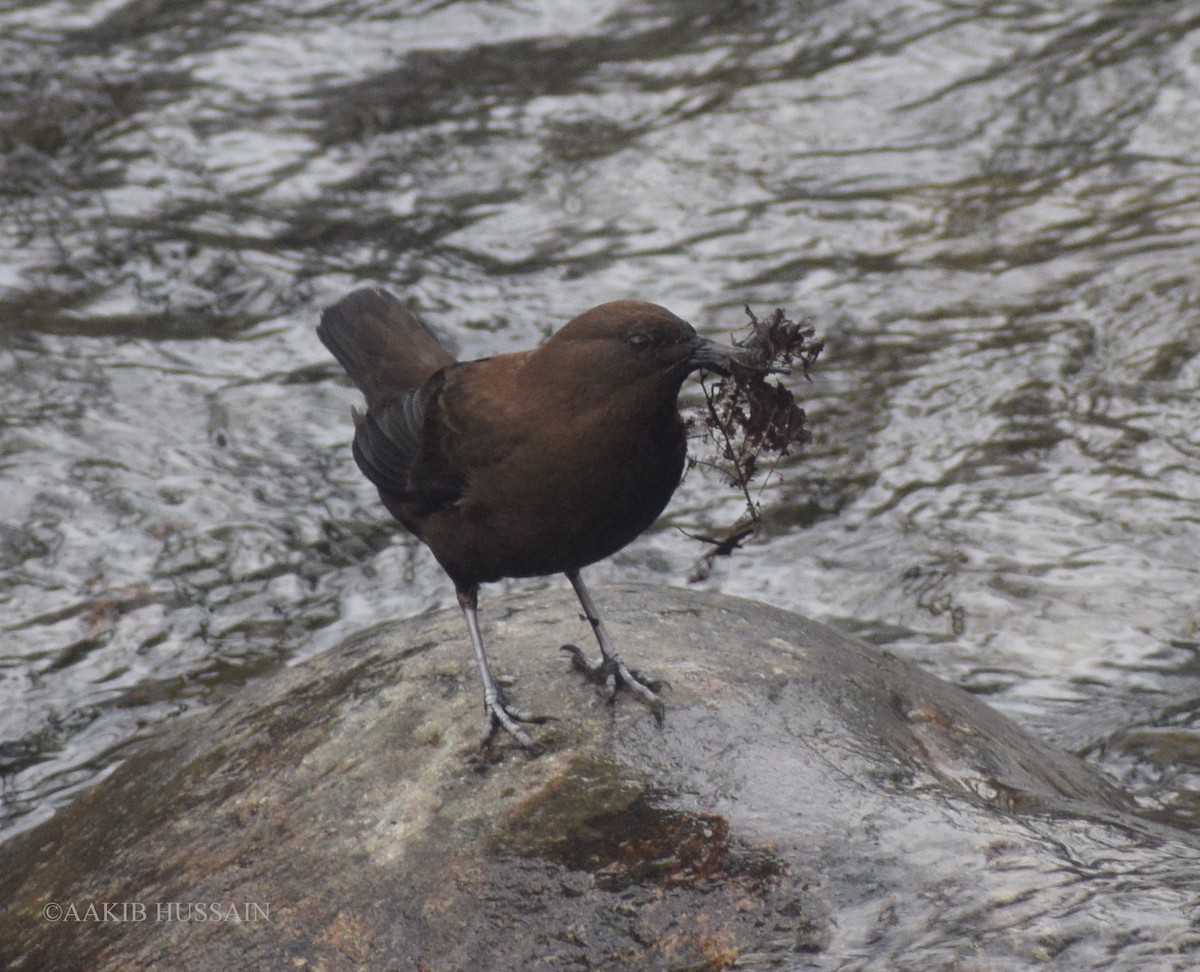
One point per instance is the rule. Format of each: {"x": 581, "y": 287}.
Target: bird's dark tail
{"x": 384, "y": 347}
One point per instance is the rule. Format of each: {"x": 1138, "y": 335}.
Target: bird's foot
{"x": 500, "y": 714}
{"x": 612, "y": 674}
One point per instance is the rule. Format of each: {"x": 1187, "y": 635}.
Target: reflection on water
{"x": 990, "y": 210}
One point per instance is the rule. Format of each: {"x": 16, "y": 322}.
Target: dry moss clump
{"x": 752, "y": 420}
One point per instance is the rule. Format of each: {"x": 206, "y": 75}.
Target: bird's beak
{"x": 713, "y": 356}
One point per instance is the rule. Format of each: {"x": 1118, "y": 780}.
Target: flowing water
{"x": 991, "y": 211}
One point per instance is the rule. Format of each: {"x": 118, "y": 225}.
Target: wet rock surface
{"x": 810, "y": 802}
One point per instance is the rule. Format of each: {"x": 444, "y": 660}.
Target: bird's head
{"x": 631, "y": 340}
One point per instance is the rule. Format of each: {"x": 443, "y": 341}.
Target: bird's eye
{"x": 638, "y": 340}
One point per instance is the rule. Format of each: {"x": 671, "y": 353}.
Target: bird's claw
{"x": 500, "y": 714}
{"x": 612, "y": 674}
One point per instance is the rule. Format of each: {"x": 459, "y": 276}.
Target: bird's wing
{"x": 388, "y": 442}
{"x": 392, "y": 446}
{"x": 424, "y": 447}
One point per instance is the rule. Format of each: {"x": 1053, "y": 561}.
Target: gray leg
{"x": 611, "y": 672}
{"x": 497, "y": 711}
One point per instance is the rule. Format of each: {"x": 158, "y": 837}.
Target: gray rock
{"x": 809, "y": 803}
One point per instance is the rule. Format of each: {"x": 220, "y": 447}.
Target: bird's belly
{"x": 556, "y": 519}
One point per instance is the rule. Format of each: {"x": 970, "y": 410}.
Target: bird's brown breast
{"x": 559, "y": 468}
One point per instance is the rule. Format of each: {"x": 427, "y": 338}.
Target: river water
{"x": 990, "y": 210}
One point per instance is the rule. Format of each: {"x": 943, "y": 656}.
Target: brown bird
{"x": 524, "y": 464}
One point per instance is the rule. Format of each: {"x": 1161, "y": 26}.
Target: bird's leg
{"x": 611, "y": 672}
{"x": 497, "y": 710}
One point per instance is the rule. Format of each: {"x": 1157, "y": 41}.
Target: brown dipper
{"x": 524, "y": 464}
